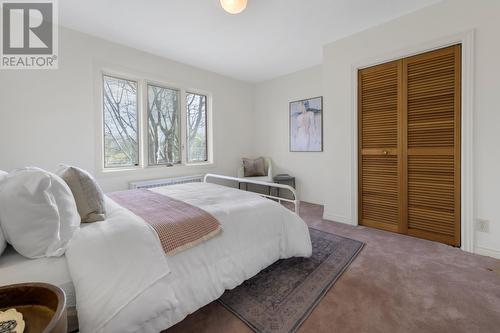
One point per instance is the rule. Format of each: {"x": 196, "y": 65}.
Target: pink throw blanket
{"x": 179, "y": 225}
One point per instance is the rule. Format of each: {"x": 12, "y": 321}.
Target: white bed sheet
{"x": 118, "y": 268}
{"x": 256, "y": 233}
{"x": 14, "y": 268}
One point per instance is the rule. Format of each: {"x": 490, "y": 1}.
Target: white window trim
{"x": 142, "y": 82}
{"x": 145, "y": 136}
{"x": 208, "y": 123}
{"x": 128, "y": 77}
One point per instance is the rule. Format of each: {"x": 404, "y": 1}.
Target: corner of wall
{"x": 337, "y": 218}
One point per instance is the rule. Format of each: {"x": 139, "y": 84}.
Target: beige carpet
{"x": 396, "y": 284}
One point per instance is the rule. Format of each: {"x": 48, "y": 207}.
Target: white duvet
{"x": 125, "y": 283}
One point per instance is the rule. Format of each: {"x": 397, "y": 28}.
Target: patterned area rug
{"x": 281, "y": 297}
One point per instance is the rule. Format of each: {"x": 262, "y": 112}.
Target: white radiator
{"x": 165, "y": 182}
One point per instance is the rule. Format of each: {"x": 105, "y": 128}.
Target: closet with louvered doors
{"x": 409, "y": 145}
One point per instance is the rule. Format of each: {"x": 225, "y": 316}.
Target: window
{"x": 150, "y": 124}
{"x": 121, "y": 131}
{"x": 196, "y": 112}
{"x": 164, "y": 143}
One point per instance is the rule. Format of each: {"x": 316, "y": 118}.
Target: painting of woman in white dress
{"x": 306, "y": 125}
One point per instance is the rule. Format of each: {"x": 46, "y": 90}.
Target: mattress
{"x": 14, "y": 268}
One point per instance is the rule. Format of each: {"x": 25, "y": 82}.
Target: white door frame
{"x": 465, "y": 38}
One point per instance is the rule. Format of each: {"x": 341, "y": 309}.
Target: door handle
{"x": 385, "y": 152}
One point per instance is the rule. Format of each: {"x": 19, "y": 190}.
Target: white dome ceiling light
{"x": 233, "y": 6}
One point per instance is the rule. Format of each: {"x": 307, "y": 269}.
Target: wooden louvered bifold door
{"x": 432, "y": 102}
{"x": 379, "y": 162}
{"x": 409, "y": 145}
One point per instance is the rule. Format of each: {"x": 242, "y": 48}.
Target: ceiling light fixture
{"x": 233, "y": 6}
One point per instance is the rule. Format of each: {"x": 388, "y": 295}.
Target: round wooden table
{"x": 43, "y": 306}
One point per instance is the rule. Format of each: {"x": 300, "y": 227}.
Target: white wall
{"x": 271, "y": 125}
{"x": 51, "y": 116}
{"x": 331, "y": 177}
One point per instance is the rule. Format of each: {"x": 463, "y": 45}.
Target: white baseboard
{"x": 487, "y": 252}
{"x": 346, "y": 220}
{"x": 336, "y": 218}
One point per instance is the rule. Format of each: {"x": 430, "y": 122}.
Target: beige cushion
{"x": 254, "y": 167}
{"x": 88, "y": 195}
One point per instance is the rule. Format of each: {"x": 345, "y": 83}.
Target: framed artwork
{"x": 306, "y": 125}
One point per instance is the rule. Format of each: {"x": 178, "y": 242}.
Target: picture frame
{"x": 306, "y": 125}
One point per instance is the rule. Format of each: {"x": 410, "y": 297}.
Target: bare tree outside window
{"x": 196, "y": 106}
{"x": 121, "y": 147}
{"x": 164, "y": 146}
{"x": 166, "y": 140}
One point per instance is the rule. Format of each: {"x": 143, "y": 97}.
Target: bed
{"x": 123, "y": 281}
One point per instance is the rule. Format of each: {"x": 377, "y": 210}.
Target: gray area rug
{"x": 281, "y": 297}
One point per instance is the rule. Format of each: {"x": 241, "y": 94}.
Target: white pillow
{"x": 38, "y": 212}
{"x": 3, "y": 243}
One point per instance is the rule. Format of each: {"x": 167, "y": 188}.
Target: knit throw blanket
{"x": 179, "y": 225}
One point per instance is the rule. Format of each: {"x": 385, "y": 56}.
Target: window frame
{"x": 139, "y": 121}
{"x": 147, "y": 84}
{"x": 207, "y": 159}
{"x": 143, "y": 80}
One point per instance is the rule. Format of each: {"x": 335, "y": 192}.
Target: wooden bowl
{"x": 43, "y": 306}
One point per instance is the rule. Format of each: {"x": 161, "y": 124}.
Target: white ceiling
{"x": 270, "y": 38}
